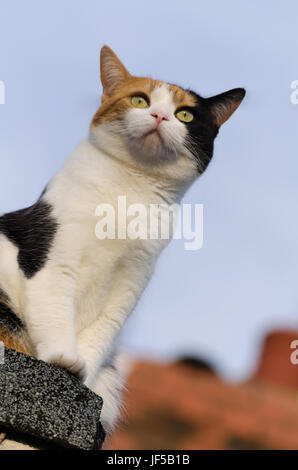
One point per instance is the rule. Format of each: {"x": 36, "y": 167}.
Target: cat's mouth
{"x": 152, "y": 143}
{"x": 153, "y": 137}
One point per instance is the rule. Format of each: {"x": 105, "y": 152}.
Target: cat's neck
{"x": 174, "y": 179}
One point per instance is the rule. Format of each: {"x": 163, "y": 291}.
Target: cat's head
{"x": 157, "y": 125}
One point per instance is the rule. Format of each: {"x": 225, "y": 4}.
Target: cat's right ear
{"x": 112, "y": 72}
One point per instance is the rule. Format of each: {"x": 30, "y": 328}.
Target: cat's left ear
{"x": 222, "y": 106}
{"x": 112, "y": 72}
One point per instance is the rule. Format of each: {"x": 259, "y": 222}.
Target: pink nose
{"x": 160, "y": 117}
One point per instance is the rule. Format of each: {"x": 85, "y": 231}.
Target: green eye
{"x": 184, "y": 116}
{"x": 139, "y": 102}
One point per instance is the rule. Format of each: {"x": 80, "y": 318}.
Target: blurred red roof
{"x": 186, "y": 406}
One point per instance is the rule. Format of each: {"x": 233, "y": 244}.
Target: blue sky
{"x": 217, "y": 302}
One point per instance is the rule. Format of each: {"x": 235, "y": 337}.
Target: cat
{"x": 64, "y": 294}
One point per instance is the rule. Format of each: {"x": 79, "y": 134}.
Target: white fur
{"x": 74, "y": 307}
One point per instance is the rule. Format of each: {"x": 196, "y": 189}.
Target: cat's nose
{"x": 160, "y": 117}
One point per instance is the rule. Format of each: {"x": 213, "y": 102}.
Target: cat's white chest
{"x": 92, "y": 180}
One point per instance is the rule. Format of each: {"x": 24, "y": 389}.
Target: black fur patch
{"x": 8, "y": 318}
{"x": 32, "y": 230}
{"x": 201, "y": 132}
{"x": 204, "y": 128}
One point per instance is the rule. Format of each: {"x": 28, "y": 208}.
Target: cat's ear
{"x": 112, "y": 71}
{"x": 222, "y": 106}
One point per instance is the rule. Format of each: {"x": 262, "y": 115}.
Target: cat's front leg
{"x": 96, "y": 341}
{"x": 109, "y": 384}
{"x": 49, "y": 316}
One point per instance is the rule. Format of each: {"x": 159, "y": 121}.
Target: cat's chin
{"x": 153, "y": 140}
{"x": 151, "y": 151}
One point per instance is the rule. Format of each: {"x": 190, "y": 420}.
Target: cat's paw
{"x": 72, "y": 362}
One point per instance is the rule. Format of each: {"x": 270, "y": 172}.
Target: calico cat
{"x": 64, "y": 294}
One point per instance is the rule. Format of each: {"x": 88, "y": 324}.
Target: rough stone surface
{"x": 46, "y": 402}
